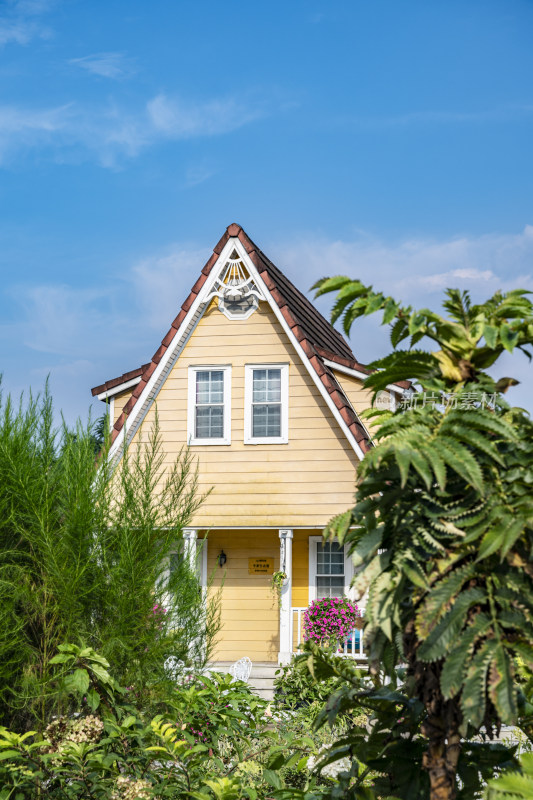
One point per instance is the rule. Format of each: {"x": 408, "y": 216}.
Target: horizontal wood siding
{"x": 249, "y": 609}
{"x": 359, "y": 397}
{"x": 120, "y": 401}
{"x": 304, "y": 482}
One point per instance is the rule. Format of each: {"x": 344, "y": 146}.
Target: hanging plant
{"x": 276, "y": 584}
{"x": 330, "y": 619}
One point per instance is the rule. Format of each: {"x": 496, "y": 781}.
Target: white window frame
{"x": 348, "y": 569}
{"x": 191, "y": 404}
{"x": 248, "y": 400}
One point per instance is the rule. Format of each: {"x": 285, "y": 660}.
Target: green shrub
{"x": 295, "y": 687}
{"x": 214, "y": 738}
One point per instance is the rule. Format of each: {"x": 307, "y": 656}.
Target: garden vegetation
{"x": 95, "y": 599}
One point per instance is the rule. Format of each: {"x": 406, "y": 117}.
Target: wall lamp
{"x": 222, "y": 558}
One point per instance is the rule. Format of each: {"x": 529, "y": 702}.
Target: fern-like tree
{"x": 442, "y": 529}
{"x": 92, "y": 553}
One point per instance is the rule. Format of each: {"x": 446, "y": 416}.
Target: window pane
{"x": 209, "y": 422}
{"x": 329, "y": 587}
{"x": 267, "y": 386}
{"x": 266, "y": 420}
{"x": 329, "y": 558}
{"x": 210, "y": 386}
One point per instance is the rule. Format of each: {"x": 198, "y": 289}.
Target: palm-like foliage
{"x": 514, "y": 785}
{"x": 442, "y": 529}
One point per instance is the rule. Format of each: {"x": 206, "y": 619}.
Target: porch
{"x": 258, "y": 621}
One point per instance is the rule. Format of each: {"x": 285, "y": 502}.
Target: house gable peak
{"x": 236, "y": 257}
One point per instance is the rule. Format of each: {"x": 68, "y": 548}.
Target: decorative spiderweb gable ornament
{"x": 238, "y": 295}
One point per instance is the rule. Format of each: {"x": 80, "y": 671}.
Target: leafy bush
{"x": 441, "y": 532}
{"x": 84, "y": 557}
{"x": 214, "y": 739}
{"x": 295, "y": 687}
{"x": 330, "y": 619}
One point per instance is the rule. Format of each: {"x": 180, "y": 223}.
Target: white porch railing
{"x": 352, "y": 647}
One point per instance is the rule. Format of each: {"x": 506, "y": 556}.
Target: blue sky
{"x": 386, "y": 140}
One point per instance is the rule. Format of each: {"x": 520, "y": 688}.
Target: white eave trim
{"x": 120, "y": 388}
{"x": 355, "y": 373}
{"x": 192, "y": 318}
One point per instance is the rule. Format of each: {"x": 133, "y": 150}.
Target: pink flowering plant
{"x": 330, "y": 620}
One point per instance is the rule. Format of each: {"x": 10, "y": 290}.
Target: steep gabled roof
{"x": 316, "y": 337}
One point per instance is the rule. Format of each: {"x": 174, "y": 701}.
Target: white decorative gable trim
{"x": 237, "y": 292}
{"x": 183, "y": 334}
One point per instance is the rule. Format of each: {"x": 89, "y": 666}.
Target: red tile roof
{"x": 114, "y": 382}
{"x": 315, "y": 334}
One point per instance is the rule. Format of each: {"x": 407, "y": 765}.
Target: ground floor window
{"x": 330, "y": 571}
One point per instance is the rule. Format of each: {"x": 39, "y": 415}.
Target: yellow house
{"x": 268, "y": 395}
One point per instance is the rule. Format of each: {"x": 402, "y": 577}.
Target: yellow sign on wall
{"x": 260, "y": 566}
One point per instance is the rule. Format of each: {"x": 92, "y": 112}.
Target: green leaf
{"x": 276, "y": 760}
{"x": 390, "y": 311}
{"x": 78, "y": 682}
{"x": 431, "y": 453}
{"x": 403, "y": 459}
{"x": 440, "y": 596}
{"x": 417, "y": 322}
{"x": 444, "y": 635}
{"x": 93, "y": 699}
{"x": 9, "y": 754}
{"x": 400, "y": 331}
{"x": 502, "y": 536}
{"x": 61, "y": 658}
{"x": 490, "y": 332}
{"x": 501, "y": 686}
{"x": 473, "y": 697}
{"x": 458, "y": 660}
{"x": 461, "y": 460}
{"x": 325, "y": 285}
{"x": 509, "y": 338}
{"x": 272, "y": 778}
{"x": 366, "y": 546}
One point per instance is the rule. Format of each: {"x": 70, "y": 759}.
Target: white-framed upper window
{"x": 209, "y": 406}
{"x": 330, "y": 569}
{"x": 266, "y": 403}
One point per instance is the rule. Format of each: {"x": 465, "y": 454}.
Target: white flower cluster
{"x": 128, "y": 788}
{"x": 62, "y": 731}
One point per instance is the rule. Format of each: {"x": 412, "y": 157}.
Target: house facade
{"x": 268, "y": 395}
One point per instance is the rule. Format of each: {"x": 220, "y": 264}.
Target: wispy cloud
{"x": 107, "y": 65}
{"x": 22, "y": 128}
{"x": 110, "y": 134}
{"x": 196, "y": 174}
{"x": 416, "y": 271}
{"x": 176, "y": 119}
{"x": 20, "y": 21}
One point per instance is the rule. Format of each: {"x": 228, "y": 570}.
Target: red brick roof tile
{"x": 114, "y": 382}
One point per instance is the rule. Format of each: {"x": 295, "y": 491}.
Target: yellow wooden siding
{"x": 359, "y": 397}
{"x": 249, "y": 609}
{"x": 300, "y": 567}
{"x": 304, "y": 482}
{"x": 120, "y": 401}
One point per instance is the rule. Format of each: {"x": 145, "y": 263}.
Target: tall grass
{"x": 91, "y": 553}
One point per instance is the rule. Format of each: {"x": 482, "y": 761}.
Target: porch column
{"x": 285, "y": 565}
{"x": 190, "y": 536}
